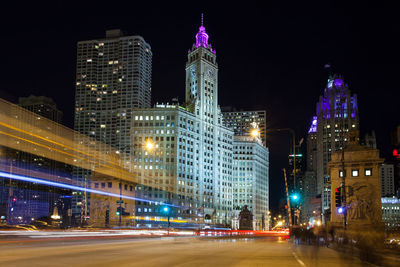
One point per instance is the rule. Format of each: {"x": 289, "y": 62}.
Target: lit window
{"x": 89, "y": 60}
{"x": 341, "y": 173}
{"x": 368, "y": 172}
{"x": 354, "y": 173}
{"x": 103, "y": 126}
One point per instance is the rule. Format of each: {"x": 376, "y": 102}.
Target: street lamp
{"x": 166, "y": 210}
{"x": 149, "y": 145}
{"x": 255, "y": 133}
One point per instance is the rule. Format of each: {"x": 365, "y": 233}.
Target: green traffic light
{"x": 117, "y": 213}
{"x": 295, "y": 197}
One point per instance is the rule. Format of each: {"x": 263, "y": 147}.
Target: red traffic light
{"x": 396, "y": 153}
{"x": 14, "y": 199}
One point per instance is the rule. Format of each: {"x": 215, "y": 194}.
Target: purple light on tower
{"x": 338, "y": 82}
{"x": 313, "y": 128}
{"x": 202, "y": 36}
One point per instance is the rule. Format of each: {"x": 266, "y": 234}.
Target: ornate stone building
{"x": 362, "y": 183}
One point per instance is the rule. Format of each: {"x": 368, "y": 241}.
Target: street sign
{"x": 120, "y": 201}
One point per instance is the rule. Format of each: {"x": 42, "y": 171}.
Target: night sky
{"x": 269, "y": 57}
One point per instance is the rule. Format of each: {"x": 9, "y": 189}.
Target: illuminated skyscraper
{"x": 113, "y": 76}
{"x": 192, "y": 157}
{"x": 337, "y": 113}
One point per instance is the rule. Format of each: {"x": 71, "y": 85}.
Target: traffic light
{"x": 166, "y": 209}
{"x": 121, "y": 211}
{"x": 338, "y": 197}
{"x": 295, "y": 197}
{"x": 340, "y": 210}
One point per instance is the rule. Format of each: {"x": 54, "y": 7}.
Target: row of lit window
{"x": 355, "y": 172}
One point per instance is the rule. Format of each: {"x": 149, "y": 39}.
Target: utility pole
{"x": 287, "y": 198}
{"x": 84, "y": 205}
{"x": 343, "y": 196}
{"x": 120, "y": 204}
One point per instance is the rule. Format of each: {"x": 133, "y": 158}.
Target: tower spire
{"x": 202, "y": 36}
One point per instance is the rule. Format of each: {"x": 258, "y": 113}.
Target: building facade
{"x": 386, "y": 172}
{"x": 191, "y": 162}
{"x": 113, "y": 77}
{"x": 243, "y": 122}
{"x": 336, "y": 114}
{"x": 24, "y": 202}
{"x": 359, "y": 169}
{"x": 310, "y": 175}
{"x": 391, "y": 213}
{"x": 251, "y": 179}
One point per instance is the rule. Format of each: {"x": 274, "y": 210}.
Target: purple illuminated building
{"x": 336, "y": 112}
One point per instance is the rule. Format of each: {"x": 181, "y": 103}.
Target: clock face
{"x": 193, "y": 72}
{"x": 210, "y": 73}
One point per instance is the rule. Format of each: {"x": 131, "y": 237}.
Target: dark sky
{"x": 269, "y": 57}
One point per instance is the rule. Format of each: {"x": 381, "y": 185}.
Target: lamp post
{"x": 148, "y": 146}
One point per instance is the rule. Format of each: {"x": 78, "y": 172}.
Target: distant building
{"x": 251, "y": 179}
{"x": 386, "y": 172}
{"x": 243, "y": 122}
{"x": 41, "y": 105}
{"x": 113, "y": 77}
{"x": 336, "y": 114}
{"x": 395, "y": 140}
{"x": 310, "y": 174}
{"x": 369, "y": 140}
{"x": 391, "y": 213}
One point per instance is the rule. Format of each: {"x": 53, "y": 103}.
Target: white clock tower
{"x": 202, "y": 78}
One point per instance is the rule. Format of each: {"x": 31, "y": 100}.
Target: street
{"x": 170, "y": 251}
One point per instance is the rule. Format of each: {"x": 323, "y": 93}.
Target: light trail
{"x": 54, "y": 142}
{"x": 78, "y": 188}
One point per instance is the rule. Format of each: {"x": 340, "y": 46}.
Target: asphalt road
{"x": 170, "y": 252}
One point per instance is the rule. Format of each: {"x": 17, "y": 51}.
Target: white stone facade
{"x": 251, "y": 178}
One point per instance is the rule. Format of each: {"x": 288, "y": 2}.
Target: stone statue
{"x": 245, "y": 219}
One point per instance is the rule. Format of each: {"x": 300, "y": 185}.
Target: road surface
{"x": 168, "y": 251}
